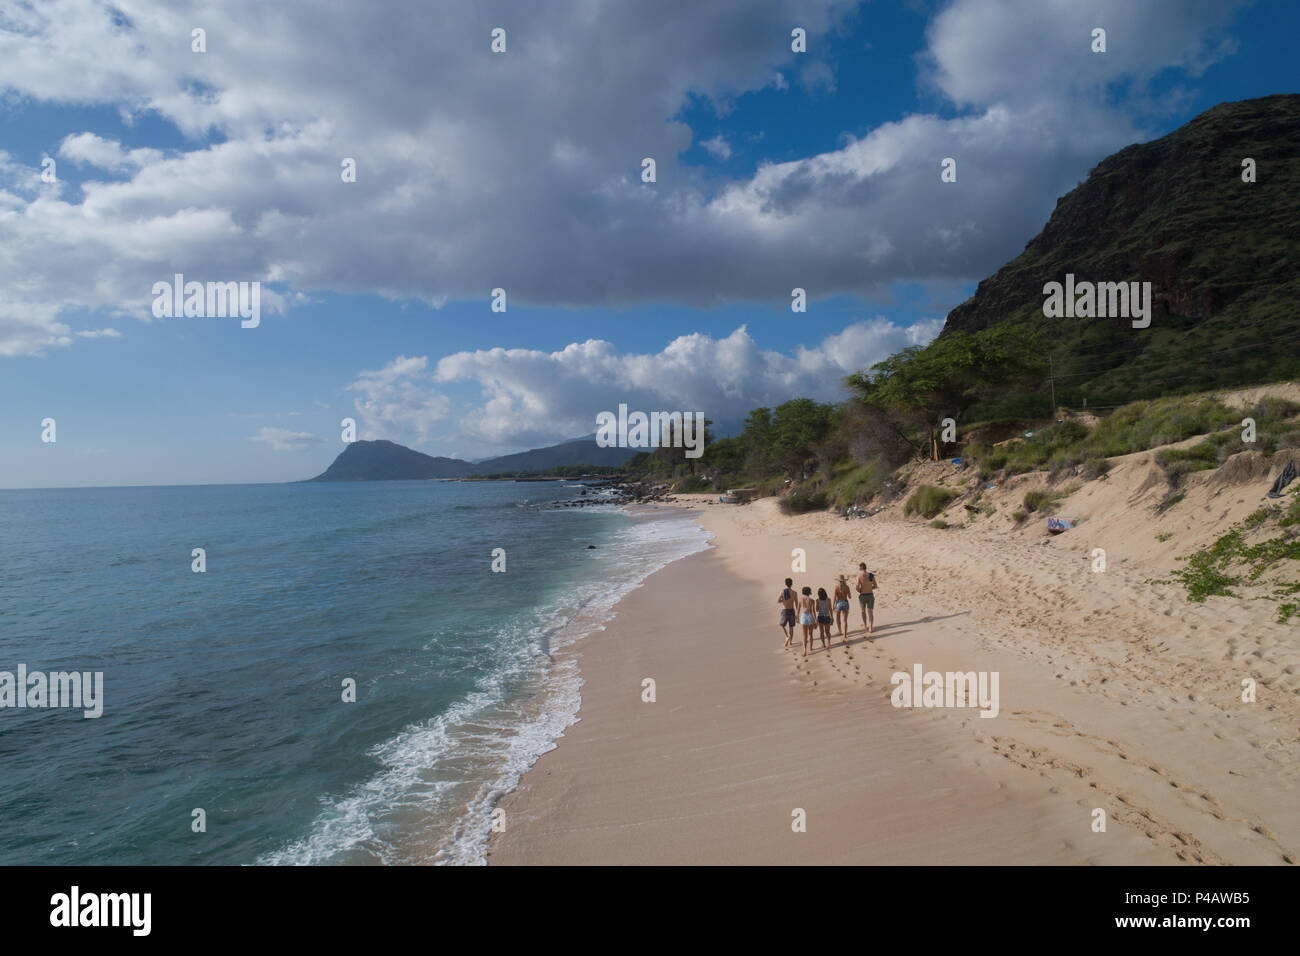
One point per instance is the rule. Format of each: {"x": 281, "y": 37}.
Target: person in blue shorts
{"x": 842, "y": 607}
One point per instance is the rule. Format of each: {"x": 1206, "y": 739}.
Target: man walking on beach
{"x": 866, "y": 585}
{"x": 786, "y": 600}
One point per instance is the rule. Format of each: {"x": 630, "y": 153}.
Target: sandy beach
{"x": 1115, "y": 695}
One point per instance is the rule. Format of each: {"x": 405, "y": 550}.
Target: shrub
{"x": 1292, "y": 515}
{"x": 1046, "y": 500}
{"x": 940, "y": 524}
{"x": 797, "y": 502}
{"x": 855, "y": 484}
{"x": 1095, "y": 467}
{"x": 1144, "y": 425}
{"x": 1035, "y": 500}
{"x": 692, "y": 485}
{"x": 1180, "y": 461}
{"x": 928, "y": 501}
{"x": 1053, "y": 444}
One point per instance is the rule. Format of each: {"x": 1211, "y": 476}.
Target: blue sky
{"x": 521, "y": 170}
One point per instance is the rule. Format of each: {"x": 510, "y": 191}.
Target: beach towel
{"x": 1284, "y": 479}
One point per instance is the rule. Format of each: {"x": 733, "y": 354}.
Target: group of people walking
{"x": 808, "y": 612}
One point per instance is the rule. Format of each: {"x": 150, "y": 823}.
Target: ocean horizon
{"x": 223, "y": 690}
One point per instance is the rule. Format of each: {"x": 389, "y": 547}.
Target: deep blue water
{"x": 223, "y": 689}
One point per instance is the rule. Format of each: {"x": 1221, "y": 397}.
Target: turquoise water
{"x": 223, "y": 689}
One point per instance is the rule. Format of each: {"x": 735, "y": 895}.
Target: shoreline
{"x": 743, "y": 733}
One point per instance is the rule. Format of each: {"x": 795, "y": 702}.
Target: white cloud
{"x": 396, "y": 402}
{"x": 92, "y": 150}
{"x": 1028, "y": 53}
{"x": 718, "y": 148}
{"x": 530, "y": 397}
{"x": 522, "y": 170}
{"x": 281, "y": 439}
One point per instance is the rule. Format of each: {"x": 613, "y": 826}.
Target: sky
{"x": 128, "y": 156}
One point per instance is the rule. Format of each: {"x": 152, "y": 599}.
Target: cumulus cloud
{"x": 397, "y": 403}
{"x": 521, "y": 170}
{"x": 718, "y": 147}
{"x": 1028, "y": 53}
{"x": 281, "y": 439}
{"x": 92, "y": 150}
{"x": 529, "y": 397}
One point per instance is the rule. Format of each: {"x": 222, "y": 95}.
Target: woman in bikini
{"x": 806, "y": 618}
{"x": 842, "y": 607}
{"x": 824, "y": 617}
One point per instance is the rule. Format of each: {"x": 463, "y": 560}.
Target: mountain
{"x": 387, "y": 461}
{"x": 583, "y": 451}
{"x": 1221, "y": 255}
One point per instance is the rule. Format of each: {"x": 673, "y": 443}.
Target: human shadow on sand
{"x": 923, "y": 620}
{"x": 893, "y": 628}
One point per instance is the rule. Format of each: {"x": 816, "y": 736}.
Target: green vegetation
{"x": 1292, "y": 515}
{"x": 1273, "y": 430}
{"x": 852, "y": 484}
{"x": 1045, "y": 501}
{"x": 928, "y": 501}
{"x": 918, "y": 387}
{"x": 1053, "y": 446}
{"x": 940, "y": 524}
{"x": 1139, "y": 427}
{"x": 1095, "y": 467}
{"x": 1179, "y": 461}
{"x": 1143, "y": 425}
{"x": 692, "y": 484}
{"x": 1163, "y": 536}
{"x": 560, "y": 471}
{"x": 797, "y": 502}
{"x": 1219, "y": 257}
{"x": 789, "y": 441}
{"x": 1233, "y": 560}
{"x": 1222, "y": 259}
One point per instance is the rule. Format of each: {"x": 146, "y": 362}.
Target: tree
{"x": 919, "y": 386}
{"x": 797, "y": 428}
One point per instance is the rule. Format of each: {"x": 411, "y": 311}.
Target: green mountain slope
{"x": 1223, "y": 257}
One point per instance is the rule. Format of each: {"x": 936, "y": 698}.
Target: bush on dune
{"x": 1145, "y": 425}
{"x": 928, "y": 501}
{"x": 798, "y": 502}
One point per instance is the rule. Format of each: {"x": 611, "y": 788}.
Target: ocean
{"x": 223, "y": 690}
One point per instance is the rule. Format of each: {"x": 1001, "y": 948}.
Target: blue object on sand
{"x": 1057, "y": 525}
